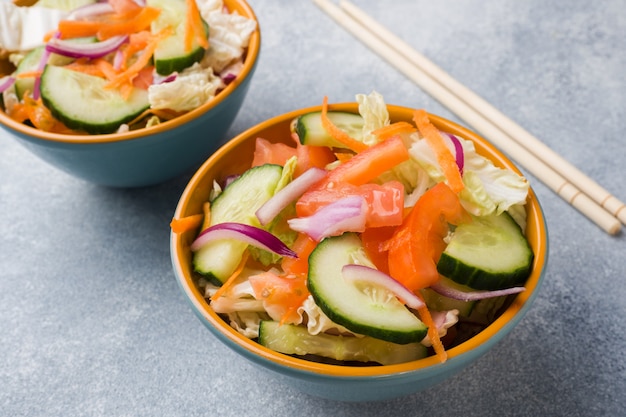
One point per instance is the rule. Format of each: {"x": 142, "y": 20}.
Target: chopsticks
{"x": 560, "y": 176}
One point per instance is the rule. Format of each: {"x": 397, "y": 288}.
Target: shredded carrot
{"x": 393, "y": 129}
{"x": 29, "y": 74}
{"x": 233, "y": 277}
{"x": 49, "y": 35}
{"x": 110, "y": 25}
{"x": 127, "y": 76}
{"x": 206, "y": 210}
{"x": 194, "y": 28}
{"x": 140, "y": 22}
{"x": 86, "y": 68}
{"x": 433, "y": 333}
{"x": 338, "y": 134}
{"x": 444, "y": 155}
{"x": 187, "y": 223}
{"x": 38, "y": 114}
{"x": 343, "y": 156}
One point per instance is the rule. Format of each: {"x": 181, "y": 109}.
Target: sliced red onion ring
{"x": 88, "y": 50}
{"x": 270, "y": 209}
{"x": 229, "y": 78}
{"x": 245, "y": 233}
{"x": 6, "y": 84}
{"x": 344, "y": 215}
{"x": 458, "y": 152}
{"x": 362, "y": 273}
{"x": 456, "y": 294}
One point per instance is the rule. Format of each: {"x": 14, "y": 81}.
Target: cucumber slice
{"x": 438, "y": 302}
{"x": 311, "y": 132}
{"x": 296, "y": 340}
{"x": 238, "y": 202}
{"x": 170, "y": 56}
{"x": 490, "y": 253}
{"x": 32, "y": 60}
{"x": 373, "y": 313}
{"x": 81, "y": 101}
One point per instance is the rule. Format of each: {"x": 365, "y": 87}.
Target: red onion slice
{"x": 6, "y": 84}
{"x": 456, "y": 294}
{"x": 88, "y": 50}
{"x": 244, "y": 233}
{"x": 458, "y": 152}
{"x": 270, "y": 209}
{"x": 362, "y": 273}
{"x": 344, "y": 215}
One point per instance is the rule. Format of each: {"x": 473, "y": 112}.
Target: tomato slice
{"x": 281, "y": 295}
{"x": 374, "y": 241}
{"x": 266, "y": 152}
{"x": 417, "y": 244}
{"x": 384, "y": 202}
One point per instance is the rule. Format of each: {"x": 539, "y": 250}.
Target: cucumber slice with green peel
{"x": 296, "y": 340}
{"x": 82, "y": 102}
{"x": 311, "y": 132}
{"x": 362, "y": 310}
{"x": 238, "y": 202}
{"x": 32, "y": 60}
{"x": 438, "y": 302}
{"x": 489, "y": 253}
{"x": 170, "y": 55}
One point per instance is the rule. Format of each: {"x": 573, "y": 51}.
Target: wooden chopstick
{"x": 544, "y": 171}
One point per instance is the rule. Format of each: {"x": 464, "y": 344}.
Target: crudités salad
{"x": 116, "y": 65}
{"x": 363, "y": 242}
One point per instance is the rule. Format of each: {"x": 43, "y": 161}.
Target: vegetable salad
{"x": 332, "y": 248}
{"x": 119, "y": 65}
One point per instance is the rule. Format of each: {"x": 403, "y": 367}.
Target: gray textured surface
{"x": 92, "y": 322}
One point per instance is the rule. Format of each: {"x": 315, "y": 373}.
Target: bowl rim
{"x": 240, "y": 6}
{"x": 272, "y": 359}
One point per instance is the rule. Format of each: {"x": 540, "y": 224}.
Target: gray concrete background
{"x": 92, "y": 322}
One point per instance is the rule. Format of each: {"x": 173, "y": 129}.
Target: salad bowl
{"x": 149, "y": 155}
{"x": 331, "y": 380}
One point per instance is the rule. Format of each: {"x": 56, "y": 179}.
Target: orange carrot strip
{"x": 229, "y": 282}
{"x": 143, "y": 60}
{"x": 110, "y": 25}
{"x": 393, "y": 129}
{"x": 433, "y": 333}
{"x": 86, "y": 68}
{"x": 140, "y": 22}
{"x": 106, "y": 68}
{"x": 194, "y": 28}
{"x": 49, "y": 35}
{"x": 338, "y": 134}
{"x": 184, "y": 224}
{"x": 444, "y": 155}
{"x": 29, "y": 74}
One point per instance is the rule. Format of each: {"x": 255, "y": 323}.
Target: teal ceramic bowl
{"x": 345, "y": 383}
{"x": 152, "y": 155}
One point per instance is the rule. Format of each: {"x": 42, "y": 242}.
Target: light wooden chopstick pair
{"x": 560, "y": 176}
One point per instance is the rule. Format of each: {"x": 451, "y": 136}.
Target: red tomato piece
{"x": 384, "y": 202}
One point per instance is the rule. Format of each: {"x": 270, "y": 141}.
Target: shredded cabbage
{"x": 24, "y": 28}
{"x": 229, "y": 35}
{"x": 373, "y": 109}
{"x": 191, "y": 88}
